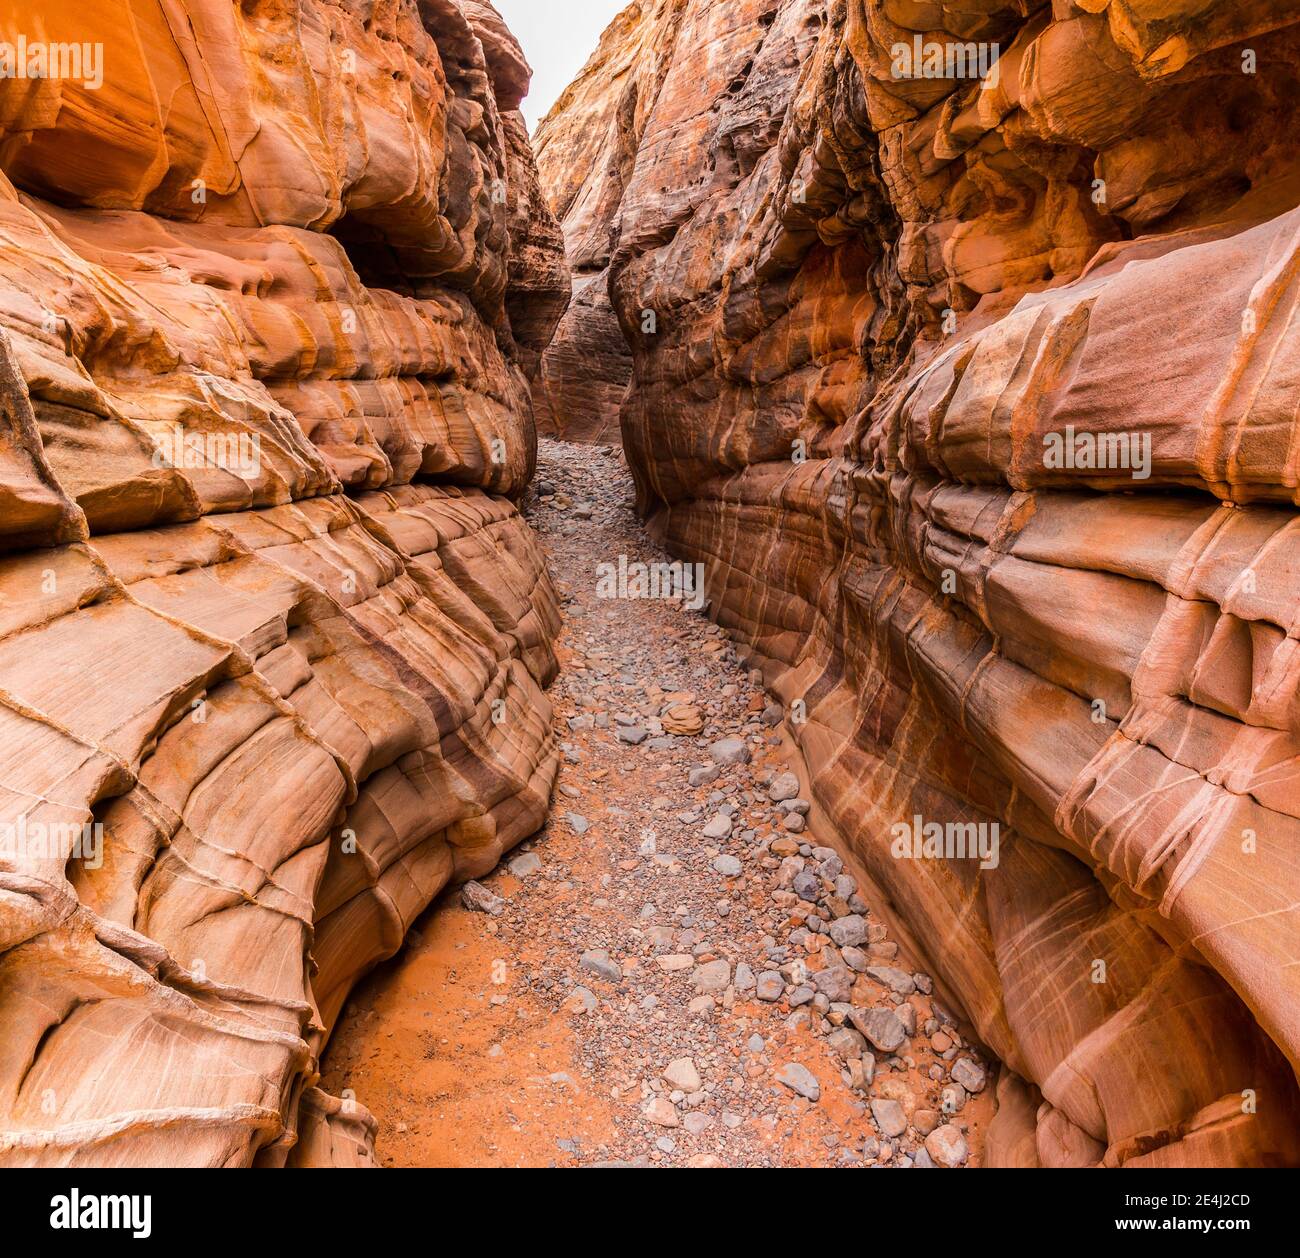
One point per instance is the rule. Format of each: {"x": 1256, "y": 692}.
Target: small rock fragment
{"x": 947, "y": 1146}
{"x": 478, "y": 899}
{"x": 730, "y": 751}
{"x": 596, "y": 961}
{"x": 682, "y": 1074}
{"x": 798, "y": 1078}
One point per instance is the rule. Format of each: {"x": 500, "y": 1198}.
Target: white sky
{"x": 558, "y": 36}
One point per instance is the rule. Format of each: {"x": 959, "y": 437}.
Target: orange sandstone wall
{"x": 866, "y": 312}
{"x": 272, "y": 631}
{"x": 586, "y": 149}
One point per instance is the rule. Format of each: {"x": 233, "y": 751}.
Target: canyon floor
{"x": 676, "y": 971}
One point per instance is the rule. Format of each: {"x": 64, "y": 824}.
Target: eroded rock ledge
{"x": 270, "y": 616}
{"x": 858, "y": 306}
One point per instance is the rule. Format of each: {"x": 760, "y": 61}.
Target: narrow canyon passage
{"x": 675, "y": 971}
{"x": 740, "y": 609}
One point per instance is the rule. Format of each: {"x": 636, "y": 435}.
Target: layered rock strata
{"x": 973, "y": 392}
{"x": 273, "y": 630}
{"x": 586, "y": 148}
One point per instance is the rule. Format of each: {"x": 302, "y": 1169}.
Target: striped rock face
{"x": 272, "y": 630}
{"x": 960, "y": 346}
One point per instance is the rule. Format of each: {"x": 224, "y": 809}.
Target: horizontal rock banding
{"x": 274, "y": 633}
{"x": 972, "y": 396}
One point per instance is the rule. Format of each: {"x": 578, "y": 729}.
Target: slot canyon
{"x": 755, "y": 625}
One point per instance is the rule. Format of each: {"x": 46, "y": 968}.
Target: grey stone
{"x": 881, "y": 1027}
{"x": 834, "y": 982}
{"x": 947, "y": 1146}
{"x": 661, "y": 1111}
{"x": 970, "y": 1074}
{"x": 713, "y": 976}
{"x": 952, "y": 1099}
{"x": 784, "y": 787}
{"x": 584, "y": 999}
{"x": 847, "y": 1042}
{"x": 596, "y": 961}
{"x": 849, "y": 932}
{"x": 718, "y": 827}
{"x": 478, "y": 899}
{"x": 800, "y": 1079}
{"x": 682, "y": 1074}
{"x": 868, "y": 1064}
{"x": 730, "y": 751}
{"x": 770, "y": 985}
{"x": 525, "y": 865}
{"x": 807, "y": 886}
{"x": 703, "y": 774}
{"x": 890, "y": 1117}
{"x": 945, "y": 1016}
{"x": 633, "y": 734}
{"x": 675, "y": 962}
{"x": 898, "y": 981}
